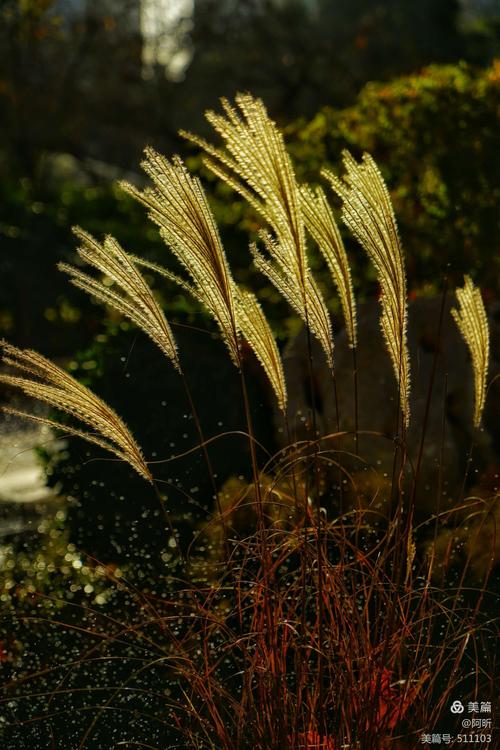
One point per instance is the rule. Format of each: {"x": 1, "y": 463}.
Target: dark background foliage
{"x": 73, "y": 78}
{"x": 80, "y": 97}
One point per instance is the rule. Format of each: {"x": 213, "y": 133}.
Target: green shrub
{"x": 436, "y": 137}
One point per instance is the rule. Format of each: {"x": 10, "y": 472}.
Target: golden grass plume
{"x": 321, "y": 225}
{"x": 131, "y": 296}
{"x": 256, "y": 164}
{"x": 367, "y": 211}
{"x": 472, "y": 323}
{"x": 252, "y": 325}
{"x": 178, "y": 205}
{"x": 54, "y": 386}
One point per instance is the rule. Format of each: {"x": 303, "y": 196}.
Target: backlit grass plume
{"x": 472, "y": 322}
{"x": 177, "y": 203}
{"x": 131, "y": 296}
{"x": 255, "y": 163}
{"x": 255, "y": 329}
{"x": 322, "y": 227}
{"x": 367, "y": 211}
{"x": 57, "y": 388}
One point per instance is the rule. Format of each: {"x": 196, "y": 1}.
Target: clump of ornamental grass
{"x": 315, "y": 627}
{"x": 233, "y": 662}
{"x": 383, "y": 677}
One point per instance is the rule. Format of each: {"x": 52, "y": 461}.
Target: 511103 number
{"x": 473, "y": 738}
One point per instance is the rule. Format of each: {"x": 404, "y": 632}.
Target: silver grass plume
{"x": 57, "y": 388}
{"x": 256, "y": 164}
{"x": 321, "y": 225}
{"x": 255, "y": 329}
{"x": 472, "y": 322}
{"x": 178, "y": 205}
{"x": 367, "y": 211}
{"x": 131, "y": 296}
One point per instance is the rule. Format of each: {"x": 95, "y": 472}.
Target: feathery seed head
{"x": 177, "y": 203}
{"x": 367, "y": 211}
{"x": 131, "y": 296}
{"x": 256, "y": 164}
{"x": 321, "y": 225}
{"x": 54, "y": 386}
{"x": 255, "y": 329}
{"x": 472, "y": 323}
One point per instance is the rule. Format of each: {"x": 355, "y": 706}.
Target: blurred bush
{"x": 91, "y": 78}
{"x": 436, "y": 138}
{"x": 37, "y": 305}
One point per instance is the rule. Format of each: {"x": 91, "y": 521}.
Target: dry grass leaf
{"x": 256, "y": 164}
{"x": 179, "y": 206}
{"x": 367, "y": 211}
{"x": 54, "y": 386}
{"x": 472, "y": 322}
{"x": 131, "y": 296}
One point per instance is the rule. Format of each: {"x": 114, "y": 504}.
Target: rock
{"x": 24, "y": 496}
